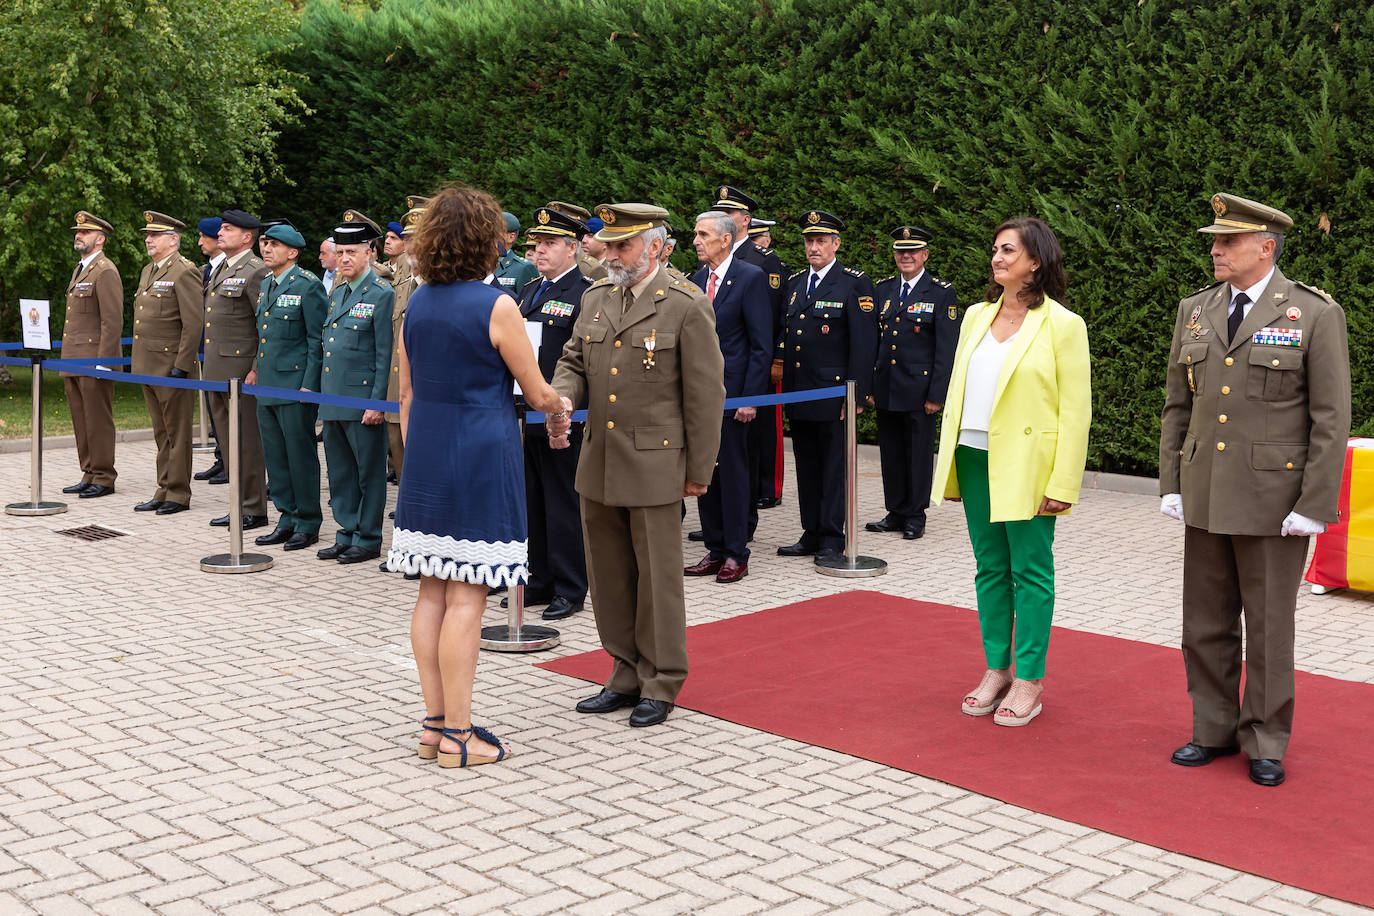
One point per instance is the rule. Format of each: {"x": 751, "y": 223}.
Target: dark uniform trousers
{"x": 171, "y": 411}
{"x": 91, "y": 402}
{"x": 904, "y": 440}
{"x": 288, "y": 444}
{"x": 638, "y": 564}
{"x": 557, "y": 560}
{"x": 1227, "y": 577}
{"x": 818, "y": 451}
{"x": 355, "y": 455}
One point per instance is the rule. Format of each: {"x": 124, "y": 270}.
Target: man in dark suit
{"x": 765, "y": 435}
{"x": 558, "y": 566}
{"x": 918, "y": 328}
{"x": 738, "y": 292}
{"x": 829, "y": 335}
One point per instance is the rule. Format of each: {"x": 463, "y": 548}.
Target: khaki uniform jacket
{"x": 403, "y": 284}
{"x": 591, "y": 268}
{"x": 652, "y": 423}
{"x": 1257, "y": 428}
{"x": 231, "y": 333}
{"x": 95, "y": 312}
{"x": 167, "y": 322}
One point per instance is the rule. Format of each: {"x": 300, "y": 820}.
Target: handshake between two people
{"x": 558, "y": 422}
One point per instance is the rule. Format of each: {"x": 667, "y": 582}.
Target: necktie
{"x": 906, "y": 291}
{"x": 811, "y": 287}
{"x": 543, "y": 290}
{"x": 1236, "y": 316}
{"x": 711, "y": 287}
{"x": 77, "y": 272}
{"x": 205, "y": 278}
{"x": 629, "y": 301}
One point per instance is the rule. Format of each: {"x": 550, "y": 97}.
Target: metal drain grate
{"x": 93, "y": 533}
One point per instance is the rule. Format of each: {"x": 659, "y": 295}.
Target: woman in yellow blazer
{"x": 1013, "y": 445}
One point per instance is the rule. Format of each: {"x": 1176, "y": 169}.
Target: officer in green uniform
{"x": 357, "y": 361}
{"x": 290, "y": 314}
{"x": 513, "y": 271}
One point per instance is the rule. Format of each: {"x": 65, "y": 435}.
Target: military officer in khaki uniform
{"x": 167, "y": 309}
{"x": 403, "y": 284}
{"x": 1252, "y": 446}
{"x": 591, "y": 268}
{"x": 645, "y": 355}
{"x": 231, "y": 346}
{"x": 95, "y": 319}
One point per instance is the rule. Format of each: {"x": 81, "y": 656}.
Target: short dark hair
{"x": 1041, "y": 244}
{"x": 456, "y": 237}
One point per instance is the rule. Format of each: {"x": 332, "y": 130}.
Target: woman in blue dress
{"x": 460, "y": 514}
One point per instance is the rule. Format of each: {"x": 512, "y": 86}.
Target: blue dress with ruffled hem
{"x": 460, "y": 513}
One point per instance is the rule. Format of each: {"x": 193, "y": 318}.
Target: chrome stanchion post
{"x": 235, "y": 561}
{"x": 851, "y": 565}
{"x": 513, "y": 635}
{"x": 36, "y": 505}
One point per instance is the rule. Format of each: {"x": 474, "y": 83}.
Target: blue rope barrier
{"x": 15, "y": 361}
{"x": 11, "y": 346}
{"x": 77, "y": 367}
{"x": 315, "y": 397}
{"x": 56, "y": 345}
{"x": 757, "y": 400}
{"x": 93, "y": 361}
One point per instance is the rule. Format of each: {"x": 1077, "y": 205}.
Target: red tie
{"x": 711, "y": 287}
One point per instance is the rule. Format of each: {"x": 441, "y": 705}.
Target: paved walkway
{"x": 177, "y": 742}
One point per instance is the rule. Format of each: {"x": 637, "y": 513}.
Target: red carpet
{"x": 832, "y": 671}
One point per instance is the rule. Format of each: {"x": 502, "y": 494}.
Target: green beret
{"x": 286, "y": 234}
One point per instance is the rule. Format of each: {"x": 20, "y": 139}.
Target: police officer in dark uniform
{"x": 765, "y": 433}
{"x": 918, "y": 328}
{"x": 558, "y": 566}
{"x": 829, "y": 335}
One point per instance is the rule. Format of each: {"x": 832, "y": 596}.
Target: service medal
{"x": 649, "y": 348}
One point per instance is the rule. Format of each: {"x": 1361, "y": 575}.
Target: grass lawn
{"x": 16, "y": 406}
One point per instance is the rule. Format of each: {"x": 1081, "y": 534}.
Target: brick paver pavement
{"x": 178, "y": 742}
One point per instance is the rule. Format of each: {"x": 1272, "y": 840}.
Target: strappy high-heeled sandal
{"x": 430, "y": 751}
{"x": 1021, "y": 695}
{"x": 463, "y": 758}
{"x": 987, "y": 694}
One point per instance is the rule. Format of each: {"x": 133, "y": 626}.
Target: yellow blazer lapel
{"x": 1030, "y": 326}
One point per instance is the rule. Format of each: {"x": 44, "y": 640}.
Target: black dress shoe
{"x": 219, "y": 478}
{"x": 561, "y": 607}
{"x": 696, "y": 535}
{"x": 828, "y": 553}
{"x": 390, "y": 476}
{"x": 95, "y": 491}
{"x": 299, "y": 541}
{"x": 1266, "y": 772}
{"x": 607, "y": 701}
{"x": 767, "y": 502}
{"x": 254, "y": 521}
{"x": 799, "y": 549}
{"x": 912, "y": 532}
{"x": 650, "y": 712}
{"x": 1197, "y": 755}
{"x": 151, "y": 505}
{"x": 79, "y": 487}
{"x": 331, "y": 552}
{"x": 171, "y": 508}
{"x": 357, "y": 554}
{"x": 278, "y": 536}
{"x": 889, "y": 523}
{"x": 213, "y": 470}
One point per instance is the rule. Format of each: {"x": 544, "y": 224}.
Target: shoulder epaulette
{"x": 796, "y": 275}
{"x": 254, "y": 259}
{"x": 604, "y": 281}
{"x": 941, "y": 283}
{"x": 764, "y": 250}
{"x": 384, "y": 284}
{"x": 1312, "y": 289}
{"x": 885, "y": 279}
{"x": 309, "y": 274}
{"x": 1207, "y": 288}
{"x": 853, "y": 271}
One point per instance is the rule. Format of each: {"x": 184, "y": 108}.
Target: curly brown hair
{"x": 456, "y": 237}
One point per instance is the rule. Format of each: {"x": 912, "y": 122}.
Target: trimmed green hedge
{"x": 1114, "y": 122}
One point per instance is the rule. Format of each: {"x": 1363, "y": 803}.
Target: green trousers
{"x": 355, "y": 463}
{"x": 1015, "y": 578}
{"x": 293, "y": 464}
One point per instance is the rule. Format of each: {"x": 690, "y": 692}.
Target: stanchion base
{"x": 503, "y": 638}
{"x": 839, "y": 566}
{"x": 198, "y": 449}
{"x": 224, "y": 563}
{"x": 43, "y": 508}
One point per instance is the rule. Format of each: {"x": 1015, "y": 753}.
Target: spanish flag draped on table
{"x": 1344, "y": 555}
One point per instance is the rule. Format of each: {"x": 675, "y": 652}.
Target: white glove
{"x": 1301, "y": 526}
{"x": 1171, "y": 504}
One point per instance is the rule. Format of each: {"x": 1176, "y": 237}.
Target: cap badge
{"x": 147, "y": 216}
{"x": 1218, "y": 205}
{"x": 722, "y": 193}
{"x": 1294, "y": 313}
{"x": 543, "y": 217}
{"x": 906, "y": 233}
{"x": 350, "y": 217}
{"x": 606, "y": 215}
{"x": 81, "y": 219}
{"x": 813, "y": 217}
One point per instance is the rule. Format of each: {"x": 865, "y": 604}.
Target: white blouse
{"x": 980, "y": 385}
